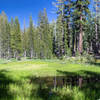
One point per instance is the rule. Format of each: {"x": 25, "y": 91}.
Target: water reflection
{"x": 90, "y": 86}
{"x": 60, "y": 81}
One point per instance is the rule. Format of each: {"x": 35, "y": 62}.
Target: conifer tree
{"x": 25, "y": 41}
{"x": 80, "y": 11}
{"x": 44, "y": 36}
{"x": 60, "y": 45}
{"x": 47, "y": 36}
{"x": 4, "y": 36}
{"x": 16, "y": 38}
{"x": 31, "y": 38}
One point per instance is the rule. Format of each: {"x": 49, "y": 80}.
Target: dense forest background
{"x": 76, "y": 31}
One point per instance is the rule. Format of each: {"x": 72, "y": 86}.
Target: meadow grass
{"x": 15, "y": 80}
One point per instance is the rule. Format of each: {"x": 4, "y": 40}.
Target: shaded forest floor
{"x": 48, "y": 80}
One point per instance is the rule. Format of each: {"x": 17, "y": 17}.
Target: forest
{"x": 50, "y": 60}
{"x": 74, "y": 32}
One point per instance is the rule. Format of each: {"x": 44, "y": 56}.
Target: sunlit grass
{"x": 15, "y": 82}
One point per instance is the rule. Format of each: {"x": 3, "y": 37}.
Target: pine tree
{"x": 8, "y": 40}
{"x": 25, "y": 41}
{"x": 44, "y": 36}
{"x": 97, "y": 24}
{"x": 59, "y": 37}
{"x": 47, "y": 36}
{"x": 16, "y": 38}
{"x": 80, "y": 11}
{"x": 4, "y": 36}
{"x": 31, "y": 38}
{"x": 60, "y": 45}
{"x": 68, "y": 17}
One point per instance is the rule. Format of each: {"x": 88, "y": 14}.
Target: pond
{"x": 60, "y": 81}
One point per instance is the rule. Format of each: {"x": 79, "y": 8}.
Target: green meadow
{"x": 34, "y": 80}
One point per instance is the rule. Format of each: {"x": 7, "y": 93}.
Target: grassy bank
{"x": 30, "y": 80}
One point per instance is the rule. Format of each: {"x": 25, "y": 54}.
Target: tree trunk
{"x": 31, "y": 53}
{"x": 0, "y": 48}
{"x": 81, "y": 37}
{"x": 68, "y": 34}
{"x": 96, "y": 28}
{"x": 15, "y": 54}
{"x": 25, "y": 53}
{"x": 96, "y": 31}
{"x": 73, "y": 45}
{"x": 8, "y": 53}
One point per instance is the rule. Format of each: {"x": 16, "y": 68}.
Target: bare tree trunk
{"x": 15, "y": 54}
{"x": 31, "y": 53}
{"x": 62, "y": 29}
{"x": 8, "y": 53}
{"x": 96, "y": 31}
{"x": 76, "y": 42}
{"x": 96, "y": 27}
{"x": 73, "y": 45}
{"x": 0, "y": 50}
{"x": 25, "y": 53}
{"x": 68, "y": 34}
{"x": 81, "y": 38}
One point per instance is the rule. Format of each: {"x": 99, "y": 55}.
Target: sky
{"x": 25, "y": 8}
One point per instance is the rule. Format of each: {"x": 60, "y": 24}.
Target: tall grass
{"x": 16, "y": 82}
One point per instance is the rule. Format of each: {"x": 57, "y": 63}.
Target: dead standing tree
{"x": 97, "y": 17}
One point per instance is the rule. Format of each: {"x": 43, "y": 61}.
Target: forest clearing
{"x": 50, "y": 50}
{"x": 48, "y": 80}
